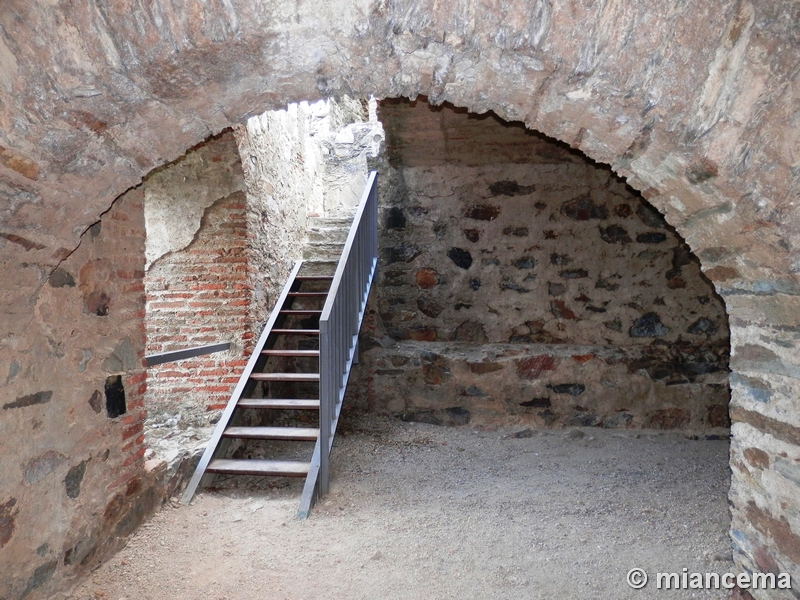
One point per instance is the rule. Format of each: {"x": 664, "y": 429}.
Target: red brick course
{"x": 197, "y": 296}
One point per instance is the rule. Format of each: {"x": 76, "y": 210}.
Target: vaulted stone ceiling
{"x": 694, "y": 102}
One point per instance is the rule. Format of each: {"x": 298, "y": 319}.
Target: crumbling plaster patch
{"x": 177, "y": 195}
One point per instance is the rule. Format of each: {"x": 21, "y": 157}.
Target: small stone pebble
{"x": 723, "y": 557}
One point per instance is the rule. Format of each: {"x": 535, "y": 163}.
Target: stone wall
{"x": 76, "y": 484}
{"x": 307, "y": 160}
{"x": 519, "y": 281}
{"x": 283, "y": 169}
{"x": 177, "y": 195}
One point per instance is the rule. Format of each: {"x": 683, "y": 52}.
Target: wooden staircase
{"x": 291, "y": 376}
{"x": 277, "y": 365}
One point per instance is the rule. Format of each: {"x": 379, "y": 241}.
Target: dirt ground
{"x": 420, "y": 511}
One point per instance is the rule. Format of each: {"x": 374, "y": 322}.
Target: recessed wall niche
{"x": 521, "y": 282}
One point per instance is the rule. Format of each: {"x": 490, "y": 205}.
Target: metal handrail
{"x": 174, "y": 355}
{"x": 341, "y": 318}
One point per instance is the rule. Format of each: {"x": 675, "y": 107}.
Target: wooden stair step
{"x": 313, "y": 278}
{"x": 273, "y": 433}
{"x": 309, "y": 294}
{"x": 285, "y": 376}
{"x": 292, "y": 353}
{"x": 295, "y": 331}
{"x": 279, "y": 468}
{"x": 301, "y": 312}
{"x": 279, "y": 403}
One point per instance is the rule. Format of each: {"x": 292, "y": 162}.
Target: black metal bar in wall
{"x": 165, "y": 357}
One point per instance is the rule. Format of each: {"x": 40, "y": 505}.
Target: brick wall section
{"x": 197, "y": 292}
{"x": 77, "y": 484}
{"x": 201, "y": 295}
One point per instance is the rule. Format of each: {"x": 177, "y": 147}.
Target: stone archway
{"x": 695, "y": 104}
{"x": 520, "y": 283}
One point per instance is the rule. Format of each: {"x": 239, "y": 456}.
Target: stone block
{"x": 460, "y": 257}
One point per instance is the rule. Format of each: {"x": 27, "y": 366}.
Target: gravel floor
{"x": 419, "y": 511}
